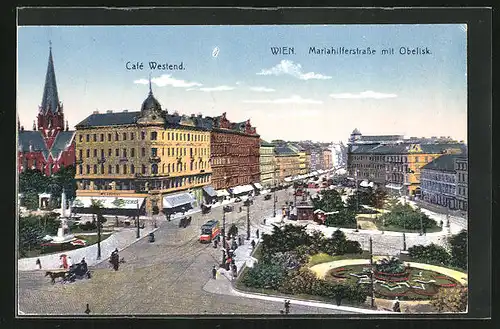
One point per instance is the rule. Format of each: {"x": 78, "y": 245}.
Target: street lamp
{"x": 223, "y": 227}
{"x": 248, "y": 219}
{"x": 274, "y": 201}
{"x": 138, "y": 234}
{"x": 372, "y": 288}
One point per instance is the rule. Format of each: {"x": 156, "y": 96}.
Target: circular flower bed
{"x": 412, "y": 284}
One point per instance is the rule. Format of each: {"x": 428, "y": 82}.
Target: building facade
{"x": 461, "y": 169}
{"x": 49, "y": 146}
{"x": 235, "y": 153}
{"x": 303, "y": 163}
{"x": 326, "y": 159}
{"x": 148, "y": 154}
{"x": 439, "y": 181}
{"x": 288, "y": 163}
{"x": 267, "y": 164}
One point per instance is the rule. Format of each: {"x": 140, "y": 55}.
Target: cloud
{"x": 363, "y": 95}
{"x": 218, "y": 88}
{"x": 168, "y": 80}
{"x": 262, "y": 89}
{"x": 295, "y": 70}
{"x": 295, "y": 99}
{"x": 239, "y": 83}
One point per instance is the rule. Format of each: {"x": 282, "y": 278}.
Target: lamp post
{"x": 274, "y": 201}
{"x": 248, "y": 219}
{"x": 138, "y": 234}
{"x": 372, "y": 294}
{"x": 404, "y": 241}
{"x": 223, "y": 227}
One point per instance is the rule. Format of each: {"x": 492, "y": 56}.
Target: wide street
{"x": 164, "y": 277}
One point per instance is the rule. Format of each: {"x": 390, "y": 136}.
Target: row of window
{"x": 165, "y": 168}
{"x": 460, "y": 165}
{"x": 171, "y": 151}
{"x": 151, "y": 185}
{"x": 152, "y": 136}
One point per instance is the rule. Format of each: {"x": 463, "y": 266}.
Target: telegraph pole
{"x": 371, "y": 276}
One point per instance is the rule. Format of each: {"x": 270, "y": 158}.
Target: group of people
{"x": 67, "y": 263}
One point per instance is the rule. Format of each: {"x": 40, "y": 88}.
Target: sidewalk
{"x": 121, "y": 240}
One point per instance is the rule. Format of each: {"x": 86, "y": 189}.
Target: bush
{"x": 350, "y": 247}
{"x": 344, "y": 218}
{"x": 390, "y": 265}
{"x": 405, "y": 216}
{"x": 458, "y": 249}
{"x": 52, "y": 248}
{"x": 30, "y": 234}
{"x": 266, "y": 276}
{"x": 450, "y": 300}
{"x": 432, "y": 254}
{"x": 299, "y": 282}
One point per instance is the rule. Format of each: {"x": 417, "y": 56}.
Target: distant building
{"x": 444, "y": 181}
{"x": 268, "y": 168}
{"x": 49, "y": 146}
{"x": 288, "y": 163}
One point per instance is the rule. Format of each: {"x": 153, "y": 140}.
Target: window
{"x": 184, "y": 137}
{"x": 168, "y": 136}
{"x": 162, "y": 151}
{"x": 109, "y": 137}
{"x": 110, "y": 169}
{"x": 132, "y": 152}
{"x": 102, "y": 169}
{"x": 162, "y": 135}
{"x": 116, "y": 136}
{"x": 124, "y": 168}
{"x": 95, "y": 169}
{"x": 132, "y": 169}
{"x": 81, "y": 138}
{"x": 184, "y": 151}
{"x": 117, "y": 152}
{"x": 102, "y": 153}
{"x": 81, "y": 154}
{"x": 109, "y": 152}
{"x": 88, "y": 153}
{"x": 143, "y": 135}
{"x": 132, "y": 136}
{"x": 87, "y": 138}
{"x": 143, "y": 169}
{"x": 95, "y": 137}
{"x": 154, "y": 135}
{"x": 95, "y": 153}
{"x": 124, "y": 136}
{"x": 124, "y": 153}
{"x": 102, "y": 137}
{"x": 143, "y": 152}
{"x": 154, "y": 169}
{"x": 189, "y": 137}
{"x": 176, "y": 136}
{"x": 154, "y": 152}
{"x": 80, "y": 169}
{"x": 88, "y": 169}
{"x": 416, "y": 159}
{"x": 117, "y": 169}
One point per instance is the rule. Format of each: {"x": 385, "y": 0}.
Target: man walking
{"x": 214, "y": 272}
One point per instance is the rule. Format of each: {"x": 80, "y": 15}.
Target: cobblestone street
{"x": 165, "y": 277}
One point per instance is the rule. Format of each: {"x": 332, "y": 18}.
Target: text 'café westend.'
{"x": 151, "y": 161}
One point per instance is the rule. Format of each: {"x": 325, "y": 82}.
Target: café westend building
{"x": 142, "y": 162}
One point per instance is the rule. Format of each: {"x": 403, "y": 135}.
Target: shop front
{"x": 111, "y": 206}
{"x": 209, "y": 194}
{"x": 178, "y": 203}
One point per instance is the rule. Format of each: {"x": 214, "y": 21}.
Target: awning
{"x": 176, "y": 200}
{"x": 242, "y": 189}
{"x": 108, "y": 202}
{"x": 221, "y": 193}
{"x": 394, "y": 186}
{"x": 257, "y": 186}
{"x": 210, "y": 190}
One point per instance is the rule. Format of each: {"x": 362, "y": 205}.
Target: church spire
{"x": 50, "y": 100}
{"x": 150, "y": 89}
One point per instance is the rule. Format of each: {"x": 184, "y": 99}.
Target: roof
{"x": 284, "y": 150}
{"x": 35, "y": 139}
{"x": 266, "y": 144}
{"x": 50, "y": 98}
{"x": 110, "y": 119}
{"x": 377, "y": 148}
{"x": 439, "y": 148}
{"x": 362, "y": 148}
{"x": 382, "y": 138}
{"x": 445, "y": 162}
{"x": 62, "y": 142}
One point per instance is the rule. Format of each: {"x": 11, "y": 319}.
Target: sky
{"x": 299, "y": 96}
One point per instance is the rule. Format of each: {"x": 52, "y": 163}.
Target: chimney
{"x": 67, "y": 127}
{"x": 109, "y": 111}
{"x": 34, "y": 125}
{"x": 95, "y": 112}
{"x": 192, "y": 115}
{"x": 22, "y": 128}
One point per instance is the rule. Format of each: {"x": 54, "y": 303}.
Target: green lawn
{"x": 325, "y": 258}
{"x": 394, "y": 228}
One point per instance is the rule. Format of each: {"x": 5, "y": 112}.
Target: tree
{"x": 64, "y": 178}
{"x": 328, "y": 201}
{"x": 450, "y": 300}
{"x": 458, "y": 249}
{"x": 264, "y": 275}
{"x": 378, "y": 198}
{"x": 344, "y": 218}
{"x": 391, "y": 202}
{"x": 30, "y": 234}
{"x": 31, "y": 183}
{"x": 405, "y": 216}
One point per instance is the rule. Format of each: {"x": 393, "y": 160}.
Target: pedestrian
{"x": 425, "y": 230}
{"x": 287, "y": 306}
{"x": 39, "y": 263}
{"x": 115, "y": 259}
{"x": 257, "y": 233}
{"x": 83, "y": 265}
{"x": 87, "y": 310}
{"x": 396, "y": 306}
{"x": 214, "y": 272}
{"x": 70, "y": 262}
{"x": 64, "y": 262}
{"x": 253, "y": 244}
{"x": 235, "y": 271}
{"x": 215, "y": 243}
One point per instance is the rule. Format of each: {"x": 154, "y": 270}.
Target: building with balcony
{"x": 160, "y": 158}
